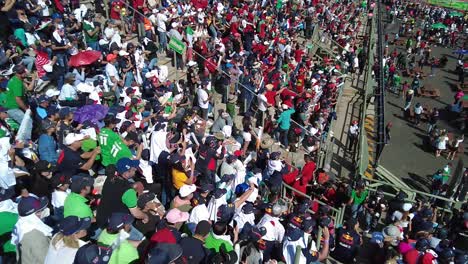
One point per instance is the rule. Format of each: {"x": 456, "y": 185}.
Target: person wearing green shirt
{"x": 284, "y": 123}
{"x": 8, "y": 218}
{"x": 113, "y": 147}
{"x": 115, "y": 235}
{"x": 218, "y": 238}
{"x": 91, "y": 33}
{"x": 76, "y": 203}
{"x": 15, "y": 98}
{"x": 358, "y": 196}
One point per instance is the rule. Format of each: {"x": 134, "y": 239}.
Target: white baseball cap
{"x": 73, "y": 137}
{"x": 187, "y": 189}
{"x": 123, "y": 53}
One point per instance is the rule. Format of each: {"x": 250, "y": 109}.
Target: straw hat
{"x": 232, "y": 98}
{"x": 266, "y": 143}
{"x": 269, "y": 87}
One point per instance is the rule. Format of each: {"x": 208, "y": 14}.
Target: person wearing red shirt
{"x": 309, "y": 169}
{"x": 116, "y": 10}
{"x": 298, "y": 53}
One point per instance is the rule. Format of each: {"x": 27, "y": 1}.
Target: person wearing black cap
{"x": 424, "y": 220}
{"x": 116, "y": 235}
{"x": 417, "y": 254}
{"x": 64, "y": 125}
{"x": 76, "y": 203}
{"x": 207, "y": 156}
{"x": 60, "y": 183}
{"x": 149, "y": 205}
{"x": 67, "y": 241}
{"x": 198, "y": 213}
{"x": 193, "y": 247}
{"x": 252, "y": 244}
{"x": 91, "y": 254}
{"x": 52, "y": 117}
{"x": 32, "y": 236}
{"x": 347, "y": 243}
{"x": 40, "y": 179}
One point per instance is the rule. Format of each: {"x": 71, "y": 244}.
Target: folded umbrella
{"x": 84, "y": 58}
{"x": 460, "y": 51}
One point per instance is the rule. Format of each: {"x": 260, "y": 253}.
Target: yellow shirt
{"x": 178, "y": 178}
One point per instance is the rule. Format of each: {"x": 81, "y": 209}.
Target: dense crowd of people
{"x": 105, "y": 159}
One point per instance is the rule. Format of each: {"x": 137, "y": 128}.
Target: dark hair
{"x": 219, "y": 228}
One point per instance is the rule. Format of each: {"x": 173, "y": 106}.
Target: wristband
{"x": 326, "y": 241}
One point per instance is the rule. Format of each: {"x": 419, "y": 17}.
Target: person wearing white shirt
{"x": 60, "y": 194}
{"x": 161, "y": 20}
{"x": 66, "y": 243}
{"x": 274, "y": 229}
{"x": 353, "y": 135}
{"x": 198, "y": 213}
{"x": 262, "y": 103}
{"x": 112, "y": 75}
{"x": 203, "y": 101}
{"x": 68, "y": 92}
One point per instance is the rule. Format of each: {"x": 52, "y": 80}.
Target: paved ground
{"x": 406, "y": 156}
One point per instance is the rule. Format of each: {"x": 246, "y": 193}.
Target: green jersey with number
{"x": 112, "y": 147}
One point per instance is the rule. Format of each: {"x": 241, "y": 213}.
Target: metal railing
{"x": 368, "y": 85}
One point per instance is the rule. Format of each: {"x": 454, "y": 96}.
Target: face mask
{"x": 45, "y": 213}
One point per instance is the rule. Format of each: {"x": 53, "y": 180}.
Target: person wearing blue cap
{"x": 31, "y": 235}
{"x": 117, "y": 236}
{"x": 67, "y": 241}
{"x": 118, "y": 195}
{"x": 92, "y": 254}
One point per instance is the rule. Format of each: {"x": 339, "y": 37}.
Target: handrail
{"x": 362, "y": 148}
{"x": 416, "y": 191}
{"x": 309, "y": 197}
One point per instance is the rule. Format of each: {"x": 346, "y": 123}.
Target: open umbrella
{"x": 83, "y": 58}
{"x": 455, "y": 14}
{"x": 439, "y": 26}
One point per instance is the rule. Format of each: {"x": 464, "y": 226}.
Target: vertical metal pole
{"x": 175, "y": 64}
{"x": 106, "y": 8}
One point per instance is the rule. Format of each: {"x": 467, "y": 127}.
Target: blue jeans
{"x": 18, "y": 115}
{"x": 62, "y": 60}
{"x": 355, "y": 210}
{"x": 162, "y": 40}
{"x": 94, "y": 45}
{"x": 282, "y": 136}
{"x": 152, "y": 63}
{"x": 28, "y": 62}
{"x": 129, "y": 78}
